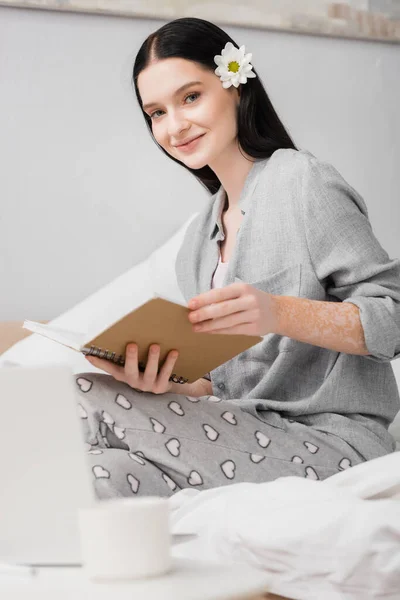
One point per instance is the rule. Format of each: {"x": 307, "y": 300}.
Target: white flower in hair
{"x": 233, "y": 65}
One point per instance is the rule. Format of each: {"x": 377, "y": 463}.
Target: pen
{"x": 9, "y": 569}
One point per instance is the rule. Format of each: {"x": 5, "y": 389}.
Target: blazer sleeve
{"x": 347, "y": 257}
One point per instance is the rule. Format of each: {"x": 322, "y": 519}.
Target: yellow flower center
{"x": 233, "y": 66}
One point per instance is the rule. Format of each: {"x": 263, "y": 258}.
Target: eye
{"x": 193, "y": 94}
{"x": 153, "y": 113}
{"x": 197, "y": 94}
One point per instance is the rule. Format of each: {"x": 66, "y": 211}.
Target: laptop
{"x": 45, "y": 474}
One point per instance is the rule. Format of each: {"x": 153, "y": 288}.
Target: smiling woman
{"x": 283, "y": 250}
{"x": 204, "y": 126}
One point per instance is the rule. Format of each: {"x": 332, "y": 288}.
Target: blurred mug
{"x": 126, "y": 538}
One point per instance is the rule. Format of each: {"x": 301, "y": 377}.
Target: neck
{"x": 232, "y": 169}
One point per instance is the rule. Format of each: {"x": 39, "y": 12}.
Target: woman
{"x": 284, "y": 250}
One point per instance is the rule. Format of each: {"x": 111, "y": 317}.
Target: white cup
{"x": 126, "y": 538}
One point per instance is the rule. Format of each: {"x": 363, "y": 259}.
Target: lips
{"x": 190, "y": 140}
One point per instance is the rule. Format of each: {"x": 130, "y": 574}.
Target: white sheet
{"x": 324, "y": 540}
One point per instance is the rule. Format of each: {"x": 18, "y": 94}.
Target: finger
{"x": 151, "y": 369}
{"x": 234, "y": 290}
{"x": 107, "y": 366}
{"x": 167, "y": 368}
{"x": 232, "y": 320}
{"x": 131, "y": 363}
{"x": 221, "y": 309}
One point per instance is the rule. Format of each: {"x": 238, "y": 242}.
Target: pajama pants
{"x": 140, "y": 443}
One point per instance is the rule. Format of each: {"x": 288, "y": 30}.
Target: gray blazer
{"x": 306, "y": 233}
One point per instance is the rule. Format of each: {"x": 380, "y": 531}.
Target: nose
{"x": 176, "y": 124}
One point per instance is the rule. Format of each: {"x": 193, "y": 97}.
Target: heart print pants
{"x": 140, "y": 443}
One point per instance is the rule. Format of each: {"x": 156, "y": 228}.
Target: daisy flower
{"x": 233, "y": 65}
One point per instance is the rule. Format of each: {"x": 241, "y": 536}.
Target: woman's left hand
{"x": 238, "y": 308}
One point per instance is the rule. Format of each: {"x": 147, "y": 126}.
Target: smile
{"x": 191, "y": 144}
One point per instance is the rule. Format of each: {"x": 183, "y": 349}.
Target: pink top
{"x": 219, "y": 274}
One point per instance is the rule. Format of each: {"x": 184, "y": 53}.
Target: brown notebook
{"x": 157, "y": 321}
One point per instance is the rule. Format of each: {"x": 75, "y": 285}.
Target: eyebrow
{"x": 183, "y": 87}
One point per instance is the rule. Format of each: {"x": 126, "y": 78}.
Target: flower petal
{"x": 230, "y": 57}
{"x": 228, "y": 48}
{"x": 227, "y": 84}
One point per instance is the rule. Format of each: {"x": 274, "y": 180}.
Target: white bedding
{"x": 324, "y": 540}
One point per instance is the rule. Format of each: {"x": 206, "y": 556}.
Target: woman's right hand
{"x": 149, "y": 380}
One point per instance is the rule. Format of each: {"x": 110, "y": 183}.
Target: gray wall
{"x": 85, "y": 194}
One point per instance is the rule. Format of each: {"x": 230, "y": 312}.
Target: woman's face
{"x": 203, "y": 109}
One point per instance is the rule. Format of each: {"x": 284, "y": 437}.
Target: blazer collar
{"x": 244, "y": 199}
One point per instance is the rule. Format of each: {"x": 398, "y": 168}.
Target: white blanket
{"x": 323, "y": 540}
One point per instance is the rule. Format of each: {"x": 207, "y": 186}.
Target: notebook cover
{"x": 160, "y": 321}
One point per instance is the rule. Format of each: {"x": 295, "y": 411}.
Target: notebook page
{"x": 72, "y": 339}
